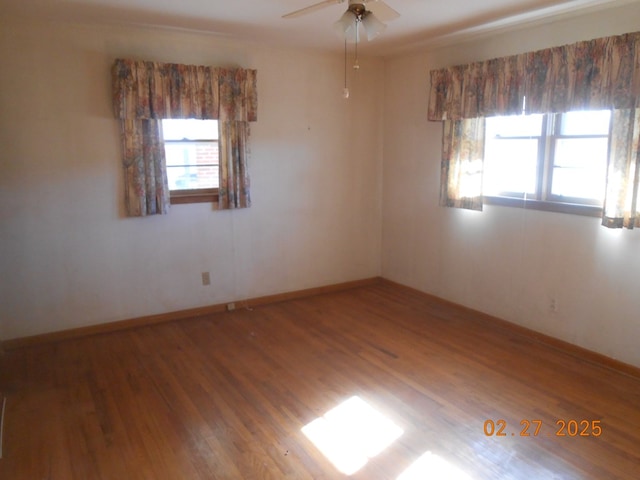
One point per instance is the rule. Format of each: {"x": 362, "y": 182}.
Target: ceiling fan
{"x": 369, "y": 13}
{"x": 366, "y": 13}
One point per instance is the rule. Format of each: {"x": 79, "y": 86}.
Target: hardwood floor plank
{"x": 226, "y": 396}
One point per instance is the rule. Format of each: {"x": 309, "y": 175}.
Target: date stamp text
{"x": 534, "y": 428}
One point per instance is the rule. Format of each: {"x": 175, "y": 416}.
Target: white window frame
{"x": 194, "y": 195}
{"x": 542, "y": 198}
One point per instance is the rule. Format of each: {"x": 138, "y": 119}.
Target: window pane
{"x": 510, "y": 166}
{"x": 191, "y": 178}
{"x": 580, "y": 168}
{"x": 192, "y": 165}
{"x": 585, "y": 123}
{"x": 190, "y": 129}
{"x": 514, "y": 126}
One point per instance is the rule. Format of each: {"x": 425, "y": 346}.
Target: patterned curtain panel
{"x": 461, "y": 174}
{"x": 598, "y": 74}
{"x": 167, "y": 90}
{"x": 621, "y": 200}
{"x": 238, "y": 95}
{"x": 592, "y": 75}
{"x": 234, "y": 177}
{"x": 146, "y": 189}
{"x": 154, "y": 91}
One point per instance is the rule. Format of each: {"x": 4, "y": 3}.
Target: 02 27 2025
{"x": 534, "y": 428}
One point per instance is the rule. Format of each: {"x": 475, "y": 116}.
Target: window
{"x": 191, "y": 151}
{"x": 555, "y": 162}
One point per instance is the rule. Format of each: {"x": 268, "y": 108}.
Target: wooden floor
{"x": 227, "y": 396}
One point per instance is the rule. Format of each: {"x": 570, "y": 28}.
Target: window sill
{"x": 570, "y": 208}
{"x": 181, "y": 197}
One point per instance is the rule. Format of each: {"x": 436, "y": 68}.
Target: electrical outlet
{"x": 206, "y": 278}
{"x": 553, "y": 305}
{"x": 231, "y": 306}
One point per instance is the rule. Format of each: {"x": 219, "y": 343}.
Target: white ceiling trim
{"x": 537, "y": 17}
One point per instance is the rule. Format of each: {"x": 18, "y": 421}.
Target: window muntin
{"x": 557, "y": 159}
{"x": 192, "y": 159}
{"x": 191, "y": 165}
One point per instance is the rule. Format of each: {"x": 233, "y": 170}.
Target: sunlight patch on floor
{"x": 433, "y": 467}
{"x": 351, "y": 434}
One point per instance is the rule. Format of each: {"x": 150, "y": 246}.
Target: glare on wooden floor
{"x": 433, "y": 467}
{"x": 352, "y": 433}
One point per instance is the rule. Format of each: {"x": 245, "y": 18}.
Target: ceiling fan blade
{"x": 381, "y": 10}
{"x": 312, "y": 8}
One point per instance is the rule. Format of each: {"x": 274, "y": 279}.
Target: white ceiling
{"x": 422, "y": 22}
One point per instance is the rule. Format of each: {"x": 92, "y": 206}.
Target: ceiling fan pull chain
{"x": 345, "y": 92}
{"x": 356, "y": 65}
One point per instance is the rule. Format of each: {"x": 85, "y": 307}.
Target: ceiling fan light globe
{"x": 346, "y": 23}
{"x": 372, "y": 26}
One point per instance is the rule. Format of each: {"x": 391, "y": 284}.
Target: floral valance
{"x": 597, "y": 74}
{"x": 152, "y": 90}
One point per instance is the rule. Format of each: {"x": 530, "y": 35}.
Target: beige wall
{"x": 70, "y": 258}
{"x": 507, "y": 262}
